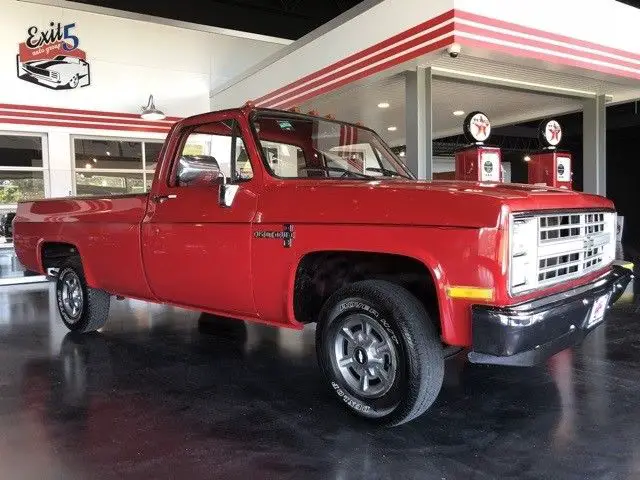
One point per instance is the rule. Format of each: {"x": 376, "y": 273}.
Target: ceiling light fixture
{"x": 392, "y": 128}
{"x": 88, "y": 165}
{"x": 402, "y": 154}
{"x": 150, "y": 112}
{"x": 95, "y": 160}
{"x": 383, "y": 105}
{"x": 458, "y": 113}
{"x": 527, "y": 158}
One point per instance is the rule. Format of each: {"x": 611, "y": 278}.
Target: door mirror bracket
{"x": 227, "y": 192}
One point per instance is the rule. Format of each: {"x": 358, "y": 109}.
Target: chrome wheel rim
{"x": 365, "y": 355}
{"x": 74, "y": 81}
{"x": 72, "y": 296}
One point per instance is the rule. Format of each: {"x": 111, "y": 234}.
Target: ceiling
{"x": 501, "y": 105}
{"x": 533, "y": 93}
{"x": 290, "y": 19}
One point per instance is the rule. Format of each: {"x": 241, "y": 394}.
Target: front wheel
{"x": 380, "y": 352}
{"x": 82, "y": 308}
{"x": 74, "y": 81}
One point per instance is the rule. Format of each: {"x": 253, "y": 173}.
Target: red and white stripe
{"x": 88, "y": 119}
{"x": 467, "y": 29}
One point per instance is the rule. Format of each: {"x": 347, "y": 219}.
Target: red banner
{"x": 48, "y": 52}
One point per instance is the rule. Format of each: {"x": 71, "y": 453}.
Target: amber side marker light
{"x": 470, "y": 293}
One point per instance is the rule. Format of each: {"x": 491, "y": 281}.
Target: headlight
{"x": 523, "y": 254}
{"x": 55, "y": 75}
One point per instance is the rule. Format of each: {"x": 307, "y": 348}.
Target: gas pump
{"x": 549, "y": 166}
{"x": 478, "y": 162}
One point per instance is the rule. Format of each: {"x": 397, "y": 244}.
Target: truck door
{"x": 197, "y": 252}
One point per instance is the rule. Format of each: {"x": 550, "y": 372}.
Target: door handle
{"x": 162, "y": 198}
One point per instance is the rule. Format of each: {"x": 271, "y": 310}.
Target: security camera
{"x": 454, "y": 50}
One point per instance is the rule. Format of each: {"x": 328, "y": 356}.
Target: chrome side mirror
{"x": 227, "y": 192}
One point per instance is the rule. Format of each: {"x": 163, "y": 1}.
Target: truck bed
{"x": 106, "y": 230}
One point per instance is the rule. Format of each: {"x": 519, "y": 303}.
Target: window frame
{"x": 144, "y": 171}
{"x": 256, "y": 114}
{"x": 46, "y": 177}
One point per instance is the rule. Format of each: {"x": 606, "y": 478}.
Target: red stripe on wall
{"x": 461, "y": 14}
{"x": 363, "y": 53}
{"x": 540, "y": 44}
{"x": 94, "y": 126}
{"x": 357, "y": 66}
{"x": 71, "y": 111}
{"x": 88, "y": 120}
{"x": 365, "y": 73}
{"x": 544, "y": 57}
{"x": 288, "y": 95}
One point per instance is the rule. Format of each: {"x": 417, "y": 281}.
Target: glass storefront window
{"x": 106, "y": 183}
{"x": 18, "y": 186}
{"x": 114, "y": 166}
{"x": 21, "y": 169}
{"x": 151, "y": 154}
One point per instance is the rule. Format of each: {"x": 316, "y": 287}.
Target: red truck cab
{"x": 290, "y": 219}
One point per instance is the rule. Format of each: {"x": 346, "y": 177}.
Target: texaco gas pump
{"x": 478, "y": 162}
{"x": 549, "y": 166}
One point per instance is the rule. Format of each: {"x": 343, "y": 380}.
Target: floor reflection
{"x": 163, "y": 392}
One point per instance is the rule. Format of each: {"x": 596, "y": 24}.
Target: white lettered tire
{"x": 380, "y": 352}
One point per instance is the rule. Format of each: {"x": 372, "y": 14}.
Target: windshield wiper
{"x": 386, "y": 173}
{"x": 345, "y": 172}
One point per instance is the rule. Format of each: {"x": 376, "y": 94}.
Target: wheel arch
{"x": 317, "y": 274}
{"x": 52, "y": 254}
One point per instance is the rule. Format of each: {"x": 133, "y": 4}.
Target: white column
{"x": 59, "y": 164}
{"x": 419, "y": 122}
{"x": 594, "y": 146}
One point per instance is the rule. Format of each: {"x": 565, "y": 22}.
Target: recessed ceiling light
{"x": 527, "y": 158}
{"x": 383, "y": 105}
{"x": 458, "y": 113}
{"x": 95, "y": 160}
{"x": 392, "y": 128}
{"x": 88, "y": 165}
{"x": 402, "y": 154}
{"x": 108, "y": 154}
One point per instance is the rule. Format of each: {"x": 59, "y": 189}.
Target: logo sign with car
{"x": 50, "y": 57}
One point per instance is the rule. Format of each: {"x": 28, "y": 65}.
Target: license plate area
{"x": 596, "y": 315}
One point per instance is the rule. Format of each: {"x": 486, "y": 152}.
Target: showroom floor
{"x": 165, "y": 393}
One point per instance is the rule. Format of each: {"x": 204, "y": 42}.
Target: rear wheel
{"x": 82, "y": 308}
{"x": 380, "y": 352}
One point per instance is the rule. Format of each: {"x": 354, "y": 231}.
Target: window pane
{"x": 101, "y": 183}
{"x": 19, "y": 151}
{"x": 16, "y": 186}
{"x": 152, "y": 152}
{"x": 108, "y": 154}
{"x": 243, "y": 164}
{"x": 285, "y": 160}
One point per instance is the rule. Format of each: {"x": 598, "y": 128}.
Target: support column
{"x": 594, "y": 146}
{"x": 419, "y": 122}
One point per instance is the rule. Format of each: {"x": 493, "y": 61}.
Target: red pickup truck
{"x": 290, "y": 219}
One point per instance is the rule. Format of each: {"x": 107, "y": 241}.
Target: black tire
{"x": 419, "y": 371}
{"x": 94, "y": 305}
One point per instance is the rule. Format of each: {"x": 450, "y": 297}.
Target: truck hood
{"x": 409, "y": 202}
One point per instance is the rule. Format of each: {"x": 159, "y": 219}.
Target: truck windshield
{"x": 299, "y": 146}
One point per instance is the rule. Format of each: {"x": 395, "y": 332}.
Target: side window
{"x": 210, "y": 152}
{"x": 284, "y": 160}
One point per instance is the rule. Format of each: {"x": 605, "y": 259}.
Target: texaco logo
{"x": 488, "y": 166}
{"x": 478, "y": 126}
{"x": 553, "y": 133}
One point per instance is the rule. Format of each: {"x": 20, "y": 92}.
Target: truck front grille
{"x": 562, "y": 246}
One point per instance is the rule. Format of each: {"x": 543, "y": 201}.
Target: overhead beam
{"x": 511, "y": 84}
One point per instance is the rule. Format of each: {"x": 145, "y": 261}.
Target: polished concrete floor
{"x": 167, "y": 393}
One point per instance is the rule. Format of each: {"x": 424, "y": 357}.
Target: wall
{"x": 605, "y": 22}
{"x": 129, "y": 60}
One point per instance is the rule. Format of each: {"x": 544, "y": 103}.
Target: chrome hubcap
{"x": 72, "y": 296}
{"x": 365, "y": 355}
{"x": 74, "y": 81}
